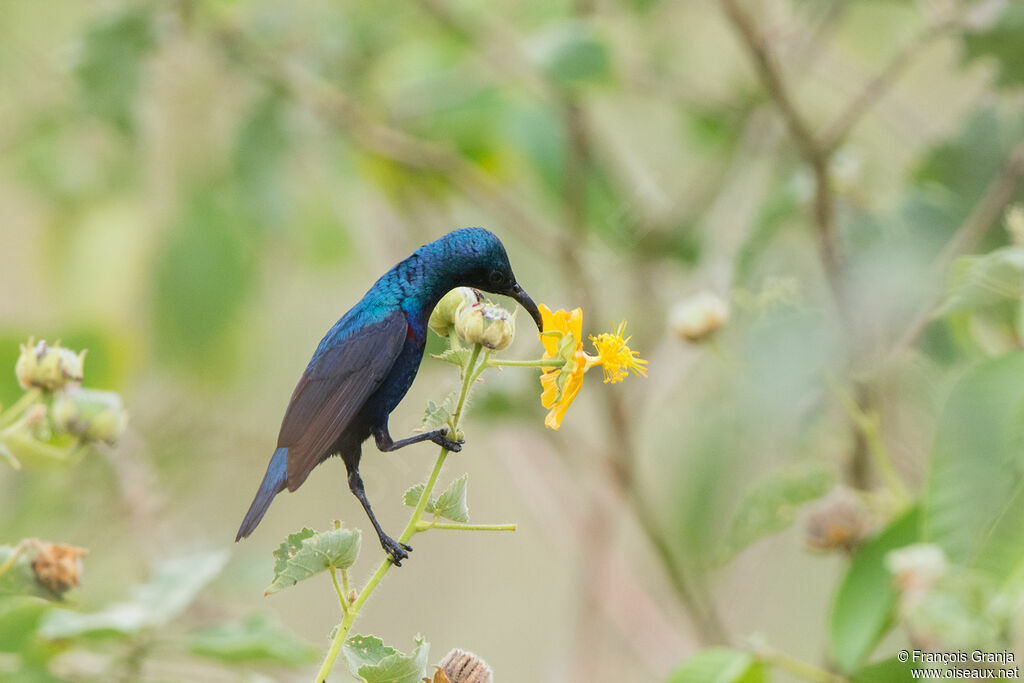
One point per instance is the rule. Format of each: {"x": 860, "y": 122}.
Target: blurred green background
{"x": 195, "y": 190}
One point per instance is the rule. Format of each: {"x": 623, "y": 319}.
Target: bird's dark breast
{"x": 396, "y": 384}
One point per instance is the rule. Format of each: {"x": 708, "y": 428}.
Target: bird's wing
{"x": 333, "y": 389}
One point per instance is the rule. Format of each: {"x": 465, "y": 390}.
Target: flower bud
{"x": 443, "y": 315}
{"x": 839, "y": 520}
{"x": 485, "y": 323}
{"x": 57, "y": 567}
{"x": 698, "y": 316}
{"x": 465, "y": 667}
{"x": 915, "y": 569}
{"x": 91, "y": 415}
{"x": 49, "y": 368}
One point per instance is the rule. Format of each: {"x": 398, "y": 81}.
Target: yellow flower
{"x": 563, "y": 340}
{"x": 616, "y": 357}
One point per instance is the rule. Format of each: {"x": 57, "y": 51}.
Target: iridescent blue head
{"x": 475, "y": 257}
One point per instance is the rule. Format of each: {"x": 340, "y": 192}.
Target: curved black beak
{"x": 524, "y": 300}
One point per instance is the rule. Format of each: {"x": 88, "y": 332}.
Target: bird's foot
{"x": 395, "y": 550}
{"x": 440, "y": 437}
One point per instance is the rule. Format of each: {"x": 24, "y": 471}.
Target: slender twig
{"x": 392, "y": 143}
{"x": 18, "y": 551}
{"x": 875, "y": 89}
{"x": 997, "y": 196}
{"x": 455, "y": 526}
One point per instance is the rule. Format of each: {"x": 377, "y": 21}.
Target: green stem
{"x": 870, "y": 427}
{"x": 539, "y": 363}
{"x": 798, "y": 667}
{"x": 9, "y": 562}
{"x": 11, "y": 414}
{"x": 344, "y": 584}
{"x": 424, "y": 526}
{"x": 469, "y": 375}
{"x": 337, "y": 589}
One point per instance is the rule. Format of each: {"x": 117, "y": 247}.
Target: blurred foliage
{"x": 194, "y": 190}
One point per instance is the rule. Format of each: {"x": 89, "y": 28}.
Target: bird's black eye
{"x": 496, "y": 278}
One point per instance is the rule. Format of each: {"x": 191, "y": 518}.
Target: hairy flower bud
{"x": 915, "y": 569}
{"x": 443, "y": 316}
{"x": 698, "y": 316}
{"x": 460, "y": 666}
{"x": 46, "y": 367}
{"x": 91, "y": 415}
{"x": 485, "y": 323}
{"x": 837, "y": 521}
{"x": 57, "y": 567}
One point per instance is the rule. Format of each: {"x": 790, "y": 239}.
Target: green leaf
{"x": 973, "y": 489}
{"x": 370, "y": 659}
{"x": 719, "y": 665}
{"x": 20, "y": 616}
{"x": 174, "y": 586}
{"x": 412, "y": 497}
{"x": 1003, "y": 42}
{"x": 452, "y": 503}
{"x": 772, "y": 504}
{"x": 863, "y": 608}
{"x": 571, "y": 54}
{"x": 980, "y": 281}
{"x": 886, "y": 671}
{"x": 439, "y": 415}
{"x": 20, "y": 579}
{"x": 204, "y": 272}
{"x": 303, "y": 556}
{"x": 260, "y": 638}
{"x": 110, "y": 64}
{"x": 456, "y": 357}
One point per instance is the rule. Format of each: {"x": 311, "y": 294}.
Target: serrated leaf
{"x": 719, "y": 665}
{"x": 412, "y": 497}
{"x": 174, "y": 586}
{"x": 452, "y": 503}
{"x": 772, "y": 505}
{"x": 259, "y": 638}
{"x": 454, "y": 356}
{"x": 335, "y": 548}
{"x": 289, "y": 546}
{"x": 439, "y": 414}
{"x": 374, "y": 662}
{"x": 980, "y": 281}
{"x": 862, "y": 611}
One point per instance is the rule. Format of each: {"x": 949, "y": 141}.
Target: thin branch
{"x": 816, "y": 155}
{"x": 997, "y": 196}
{"x": 770, "y": 75}
{"x": 395, "y": 144}
{"x": 875, "y": 89}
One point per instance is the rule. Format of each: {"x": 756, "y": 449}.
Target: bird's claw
{"x": 442, "y": 440}
{"x": 395, "y": 551}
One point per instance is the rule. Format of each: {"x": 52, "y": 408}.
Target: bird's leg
{"x": 396, "y": 551}
{"x": 438, "y": 436}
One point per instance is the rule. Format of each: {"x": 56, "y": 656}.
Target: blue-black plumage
{"x": 366, "y": 363}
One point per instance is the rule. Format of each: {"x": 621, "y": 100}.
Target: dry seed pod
{"x": 57, "y": 566}
{"x": 465, "y": 667}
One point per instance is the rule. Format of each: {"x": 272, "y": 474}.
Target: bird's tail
{"x": 274, "y": 481}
